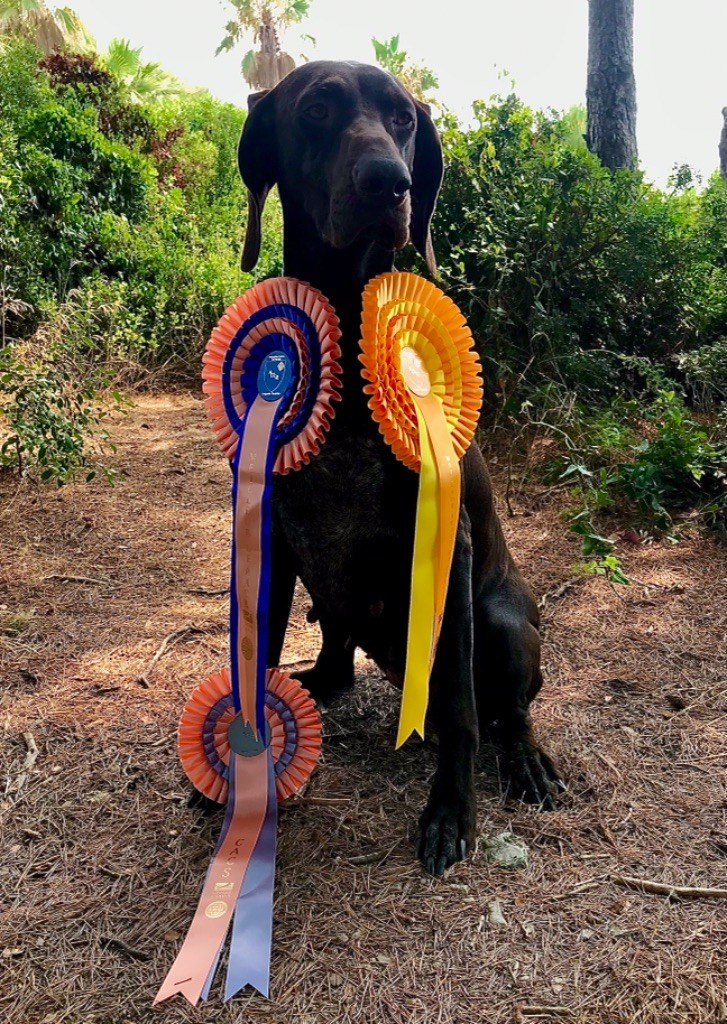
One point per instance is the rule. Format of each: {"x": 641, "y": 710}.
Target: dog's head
{"x": 349, "y": 147}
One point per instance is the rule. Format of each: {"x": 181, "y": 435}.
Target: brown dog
{"x": 358, "y": 165}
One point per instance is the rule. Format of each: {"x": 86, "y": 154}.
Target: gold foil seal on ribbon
{"x": 425, "y": 388}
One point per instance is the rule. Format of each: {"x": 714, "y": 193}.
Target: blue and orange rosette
{"x": 425, "y": 392}
{"x": 250, "y": 736}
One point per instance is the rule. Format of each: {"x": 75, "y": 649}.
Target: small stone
{"x": 494, "y": 914}
{"x": 506, "y": 851}
{"x": 99, "y": 796}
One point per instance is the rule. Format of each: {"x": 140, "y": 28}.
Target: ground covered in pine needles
{"x": 113, "y": 607}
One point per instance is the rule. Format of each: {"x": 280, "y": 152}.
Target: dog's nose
{"x": 381, "y": 178}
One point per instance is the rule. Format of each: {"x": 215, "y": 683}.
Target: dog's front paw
{"x": 532, "y": 777}
{"x": 325, "y": 684}
{"x": 446, "y": 831}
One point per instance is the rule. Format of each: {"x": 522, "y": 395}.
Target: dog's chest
{"x": 348, "y": 517}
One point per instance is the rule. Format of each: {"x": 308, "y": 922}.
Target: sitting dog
{"x": 358, "y": 165}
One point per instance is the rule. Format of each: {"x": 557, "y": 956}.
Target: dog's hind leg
{"x": 507, "y": 678}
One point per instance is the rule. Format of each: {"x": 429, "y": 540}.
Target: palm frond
{"x": 121, "y": 58}
{"x": 296, "y": 10}
{"x": 247, "y": 62}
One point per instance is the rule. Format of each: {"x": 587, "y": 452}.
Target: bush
{"x": 563, "y": 267}
{"x": 653, "y": 462}
{"x": 102, "y": 197}
{"x": 50, "y": 416}
{"x": 705, "y": 374}
{"x": 120, "y": 227}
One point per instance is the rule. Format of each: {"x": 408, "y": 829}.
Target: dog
{"x": 358, "y": 165}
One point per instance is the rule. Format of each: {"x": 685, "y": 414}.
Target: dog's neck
{"x": 340, "y": 274}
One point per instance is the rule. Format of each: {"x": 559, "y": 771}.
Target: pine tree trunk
{"x": 723, "y": 146}
{"x": 611, "y": 87}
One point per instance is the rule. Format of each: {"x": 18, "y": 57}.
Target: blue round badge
{"x": 274, "y": 376}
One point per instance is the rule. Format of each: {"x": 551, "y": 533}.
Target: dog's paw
{"x": 532, "y": 777}
{"x": 323, "y": 684}
{"x": 446, "y": 832}
{"x": 197, "y": 801}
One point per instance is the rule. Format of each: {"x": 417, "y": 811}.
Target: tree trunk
{"x": 611, "y": 87}
{"x": 723, "y": 146}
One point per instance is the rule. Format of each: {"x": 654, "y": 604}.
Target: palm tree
{"x": 417, "y": 78}
{"x": 49, "y": 29}
{"x": 144, "y": 81}
{"x": 265, "y": 67}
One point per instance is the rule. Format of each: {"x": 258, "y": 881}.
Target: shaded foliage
{"x": 563, "y": 268}
{"x": 598, "y": 302}
{"x": 119, "y": 237}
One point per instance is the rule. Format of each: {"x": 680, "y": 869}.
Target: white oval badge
{"x": 414, "y": 372}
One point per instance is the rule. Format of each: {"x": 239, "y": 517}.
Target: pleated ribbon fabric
{"x": 251, "y": 735}
{"x": 425, "y": 392}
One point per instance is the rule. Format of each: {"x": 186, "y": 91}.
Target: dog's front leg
{"x": 447, "y": 826}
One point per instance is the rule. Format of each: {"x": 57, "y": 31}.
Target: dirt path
{"x": 101, "y": 862}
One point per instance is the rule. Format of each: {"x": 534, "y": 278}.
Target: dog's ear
{"x": 256, "y": 159}
{"x": 426, "y": 180}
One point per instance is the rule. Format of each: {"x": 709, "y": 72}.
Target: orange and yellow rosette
{"x": 425, "y": 386}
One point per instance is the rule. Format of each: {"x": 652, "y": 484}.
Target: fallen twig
{"x": 577, "y": 890}
{"x": 368, "y": 858}
{"x": 662, "y": 889}
{"x": 553, "y": 595}
{"x": 546, "y": 1011}
{"x": 177, "y": 634}
{"x": 320, "y": 801}
{"x": 30, "y": 758}
{"x": 63, "y": 578}
{"x": 119, "y": 946}
{"x": 206, "y": 592}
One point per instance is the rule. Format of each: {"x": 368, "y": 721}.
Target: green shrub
{"x": 705, "y": 374}
{"x": 120, "y": 228}
{"x": 676, "y": 468}
{"x": 656, "y": 461}
{"x": 562, "y": 267}
{"x": 49, "y": 419}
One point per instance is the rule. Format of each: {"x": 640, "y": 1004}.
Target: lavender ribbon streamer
{"x": 251, "y": 941}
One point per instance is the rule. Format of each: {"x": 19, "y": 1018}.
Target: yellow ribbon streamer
{"x": 425, "y": 393}
{"x": 435, "y": 532}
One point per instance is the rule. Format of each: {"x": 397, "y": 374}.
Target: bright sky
{"x": 681, "y": 70}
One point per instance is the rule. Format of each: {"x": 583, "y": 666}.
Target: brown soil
{"x": 101, "y": 861}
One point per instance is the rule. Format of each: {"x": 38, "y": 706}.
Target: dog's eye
{"x": 316, "y": 111}
{"x": 404, "y": 118}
